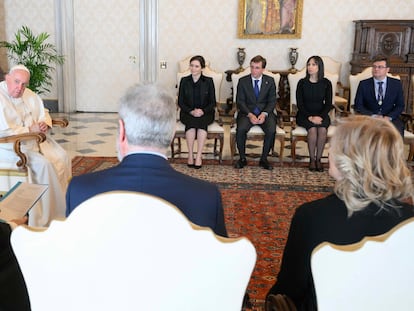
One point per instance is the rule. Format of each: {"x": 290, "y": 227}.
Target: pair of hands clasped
{"x": 39, "y": 127}
{"x": 315, "y": 119}
{"x": 197, "y": 112}
{"x": 257, "y": 120}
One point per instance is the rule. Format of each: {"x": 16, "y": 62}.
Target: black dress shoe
{"x": 190, "y": 165}
{"x": 266, "y": 165}
{"x": 197, "y": 167}
{"x": 240, "y": 163}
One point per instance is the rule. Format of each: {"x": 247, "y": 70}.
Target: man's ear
{"x": 121, "y": 134}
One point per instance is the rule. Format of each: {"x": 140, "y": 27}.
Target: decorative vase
{"x": 293, "y": 58}
{"x": 241, "y": 56}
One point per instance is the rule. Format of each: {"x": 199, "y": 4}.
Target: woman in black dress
{"x": 373, "y": 188}
{"x": 197, "y": 101}
{"x": 314, "y": 100}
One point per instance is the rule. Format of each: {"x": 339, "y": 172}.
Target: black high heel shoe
{"x": 312, "y": 165}
{"x": 190, "y": 165}
{"x": 197, "y": 167}
{"x": 319, "y": 166}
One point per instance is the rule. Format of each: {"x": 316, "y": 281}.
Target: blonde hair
{"x": 369, "y": 154}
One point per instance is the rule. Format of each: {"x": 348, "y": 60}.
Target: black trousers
{"x": 244, "y": 125}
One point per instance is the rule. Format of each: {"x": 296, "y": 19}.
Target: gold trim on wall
{"x": 270, "y": 19}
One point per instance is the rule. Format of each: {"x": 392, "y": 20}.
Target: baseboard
{"x": 51, "y": 104}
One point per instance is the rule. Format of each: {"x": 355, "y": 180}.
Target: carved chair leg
{"x": 232, "y": 146}
{"x": 221, "y": 140}
{"x": 293, "y": 149}
{"x": 281, "y": 139}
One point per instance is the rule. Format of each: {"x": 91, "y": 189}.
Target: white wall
{"x": 209, "y": 28}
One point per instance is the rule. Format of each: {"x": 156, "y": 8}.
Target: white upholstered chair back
{"x": 235, "y": 77}
{"x": 132, "y": 251}
{"x": 331, "y": 65}
{"x": 374, "y": 274}
{"x": 293, "y": 79}
{"x": 184, "y": 65}
{"x": 354, "y": 82}
{"x": 208, "y": 72}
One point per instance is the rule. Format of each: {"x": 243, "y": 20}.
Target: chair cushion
{"x": 280, "y": 131}
{"x": 340, "y": 100}
{"x": 257, "y": 130}
{"x": 299, "y": 131}
{"x": 212, "y": 128}
{"x": 179, "y": 127}
{"x": 215, "y": 128}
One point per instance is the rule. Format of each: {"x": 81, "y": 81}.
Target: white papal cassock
{"x": 50, "y": 166}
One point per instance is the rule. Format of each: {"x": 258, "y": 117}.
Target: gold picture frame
{"x": 270, "y": 19}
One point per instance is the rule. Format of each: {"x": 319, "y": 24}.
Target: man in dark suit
{"x": 256, "y": 100}
{"x": 147, "y": 120}
{"x": 381, "y": 96}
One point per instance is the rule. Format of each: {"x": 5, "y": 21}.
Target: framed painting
{"x": 270, "y": 19}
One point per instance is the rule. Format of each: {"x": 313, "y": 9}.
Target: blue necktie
{"x": 256, "y": 109}
{"x": 380, "y": 93}
{"x": 256, "y": 88}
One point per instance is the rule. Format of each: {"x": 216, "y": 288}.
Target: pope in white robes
{"x": 22, "y": 111}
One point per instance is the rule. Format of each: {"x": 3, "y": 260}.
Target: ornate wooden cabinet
{"x": 392, "y": 38}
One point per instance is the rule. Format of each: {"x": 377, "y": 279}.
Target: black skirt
{"x": 196, "y": 122}
{"x": 301, "y": 120}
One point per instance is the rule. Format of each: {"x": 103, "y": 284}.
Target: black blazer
{"x": 208, "y": 94}
{"x": 246, "y": 100}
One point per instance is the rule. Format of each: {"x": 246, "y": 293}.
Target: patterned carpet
{"x": 257, "y": 204}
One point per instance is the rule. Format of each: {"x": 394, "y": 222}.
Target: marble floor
{"x": 94, "y": 134}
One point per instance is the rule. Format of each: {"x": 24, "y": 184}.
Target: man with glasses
{"x": 256, "y": 100}
{"x": 381, "y": 96}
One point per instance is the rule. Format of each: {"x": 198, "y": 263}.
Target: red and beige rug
{"x": 257, "y": 204}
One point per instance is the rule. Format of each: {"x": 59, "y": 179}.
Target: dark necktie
{"x": 380, "y": 93}
{"x": 256, "y": 88}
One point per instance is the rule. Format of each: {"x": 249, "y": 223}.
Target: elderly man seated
{"x": 22, "y": 111}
